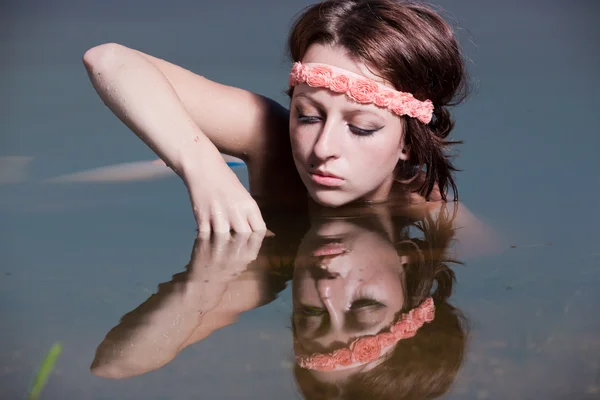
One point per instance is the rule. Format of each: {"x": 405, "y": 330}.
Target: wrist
{"x": 197, "y": 159}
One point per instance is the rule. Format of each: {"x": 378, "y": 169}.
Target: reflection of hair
{"x": 425, "y": 365}
{"x": 414, "y": 49}
{"x": 422, "y": 367}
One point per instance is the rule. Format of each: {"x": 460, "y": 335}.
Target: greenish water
{"x": 75, "y": 258}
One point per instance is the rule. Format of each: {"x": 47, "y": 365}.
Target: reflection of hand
{"x": 223, "y": 256}
{"x": 186, "y": 309}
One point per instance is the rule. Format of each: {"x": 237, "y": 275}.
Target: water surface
{"x": 76, "y": 258}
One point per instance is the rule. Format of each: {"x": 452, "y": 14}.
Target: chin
{"x": 332, "y": 198}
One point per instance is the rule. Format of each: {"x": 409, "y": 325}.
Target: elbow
{"x": 102, "y": 58}
{"x": 115, "y": 371}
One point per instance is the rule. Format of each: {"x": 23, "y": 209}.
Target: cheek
{"x": 378, "y": 154}
{"x": 303, "y": 285}
{"x": 299, "y": 140}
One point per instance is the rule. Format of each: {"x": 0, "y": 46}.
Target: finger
{"x": 255, "y": 219}
{"x": 238, "y": 222}
{"x": 202, "y": 251}
{"x": 238, "y": 246}
{"x": 204, "y": 228}
{"x": 254, "y": 244}
{"x": 196, "y": 247}
{"x": 220, "y": 246}
{"x": 219, "y": 222}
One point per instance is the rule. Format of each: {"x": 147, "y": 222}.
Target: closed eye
{"x": 362, "y": 132}
{"x": 311, "y": 311}
{"x": 308, "y": 119}
{"x": 365, "y": 303}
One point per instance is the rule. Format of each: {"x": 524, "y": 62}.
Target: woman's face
{"x": 348, "y": 282}
{"x": 344, "y": 151}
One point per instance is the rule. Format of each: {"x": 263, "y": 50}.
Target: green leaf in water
{"x": 44, "y": 371}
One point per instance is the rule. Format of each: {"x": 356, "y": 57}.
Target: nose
{"x": 331, "y": 294}
{"x": 328, "y": 142}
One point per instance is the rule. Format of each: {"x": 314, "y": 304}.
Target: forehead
{"x": 337, "y": 56}
{"x": 305, "y": 95}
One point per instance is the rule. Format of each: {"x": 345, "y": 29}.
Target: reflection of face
{"x": 348, "y": 282}
{"x": 360, "y": 144}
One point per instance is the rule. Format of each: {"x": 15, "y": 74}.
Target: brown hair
{"x": 412, "y": 47}
{"x": 424, "y": 366}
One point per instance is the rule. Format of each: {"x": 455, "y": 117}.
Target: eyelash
{"x": 364, "y": 302}
{"x": 312, "y": 311}
{"x": 309, "y": 119}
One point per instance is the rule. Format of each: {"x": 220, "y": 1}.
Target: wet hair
{"x": 411, "y": 46}
{"x": 424, "y": 366}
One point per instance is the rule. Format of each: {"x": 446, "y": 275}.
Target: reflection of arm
{"x": 151, "y": 335}
{"x": 188, "y": 308}
{"x": 473, "y": 237}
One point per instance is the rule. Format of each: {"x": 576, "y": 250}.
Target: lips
{"x": 325, "y": 174}
{"x": 324, "y": 178}
{"x": 330, "y": 249}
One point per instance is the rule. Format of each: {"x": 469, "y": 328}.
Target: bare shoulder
{"x": 239, "y": 122}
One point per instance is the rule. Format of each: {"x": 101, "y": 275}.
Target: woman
{"x": 367, "y": 119}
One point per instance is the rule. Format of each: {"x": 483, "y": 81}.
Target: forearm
{"x": 151, "y": 335}
{"x": 142, "y": 97}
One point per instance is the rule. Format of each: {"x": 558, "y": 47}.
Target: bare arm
{"x": 188, "y": 120}
{"x": 169, "y": 106}
{"x": 238, "y": 122}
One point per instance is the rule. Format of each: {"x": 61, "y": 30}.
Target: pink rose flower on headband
{"x": 410, "y": 324}
{"x": 342, "y": 357}
{"x": 340, "y": 84}
{"x": 319, "y": 76}
{"x": 298, "y": 74}
{"x": 363, "y": 91}
{"x": 427, "y": 310}
{"x": 424, "y": 112}
{"x": 322, "y": 362}
{"x": 401, "y": 103}
{"x": 386, "y": 339}
{"x": 404, "y": 329}
{"x": 384, "y": 98}
{"x": 366, "y": 349}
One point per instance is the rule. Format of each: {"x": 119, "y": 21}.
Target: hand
{"x": 221, "y": 203}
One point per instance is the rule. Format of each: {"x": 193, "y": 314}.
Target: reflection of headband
{"x": 369, "y": 348}
{"x": 361, "y": 89}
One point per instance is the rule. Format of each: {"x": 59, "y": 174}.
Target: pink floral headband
{"x": 369, "y": 348}
{"x": 361, "y": 89}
